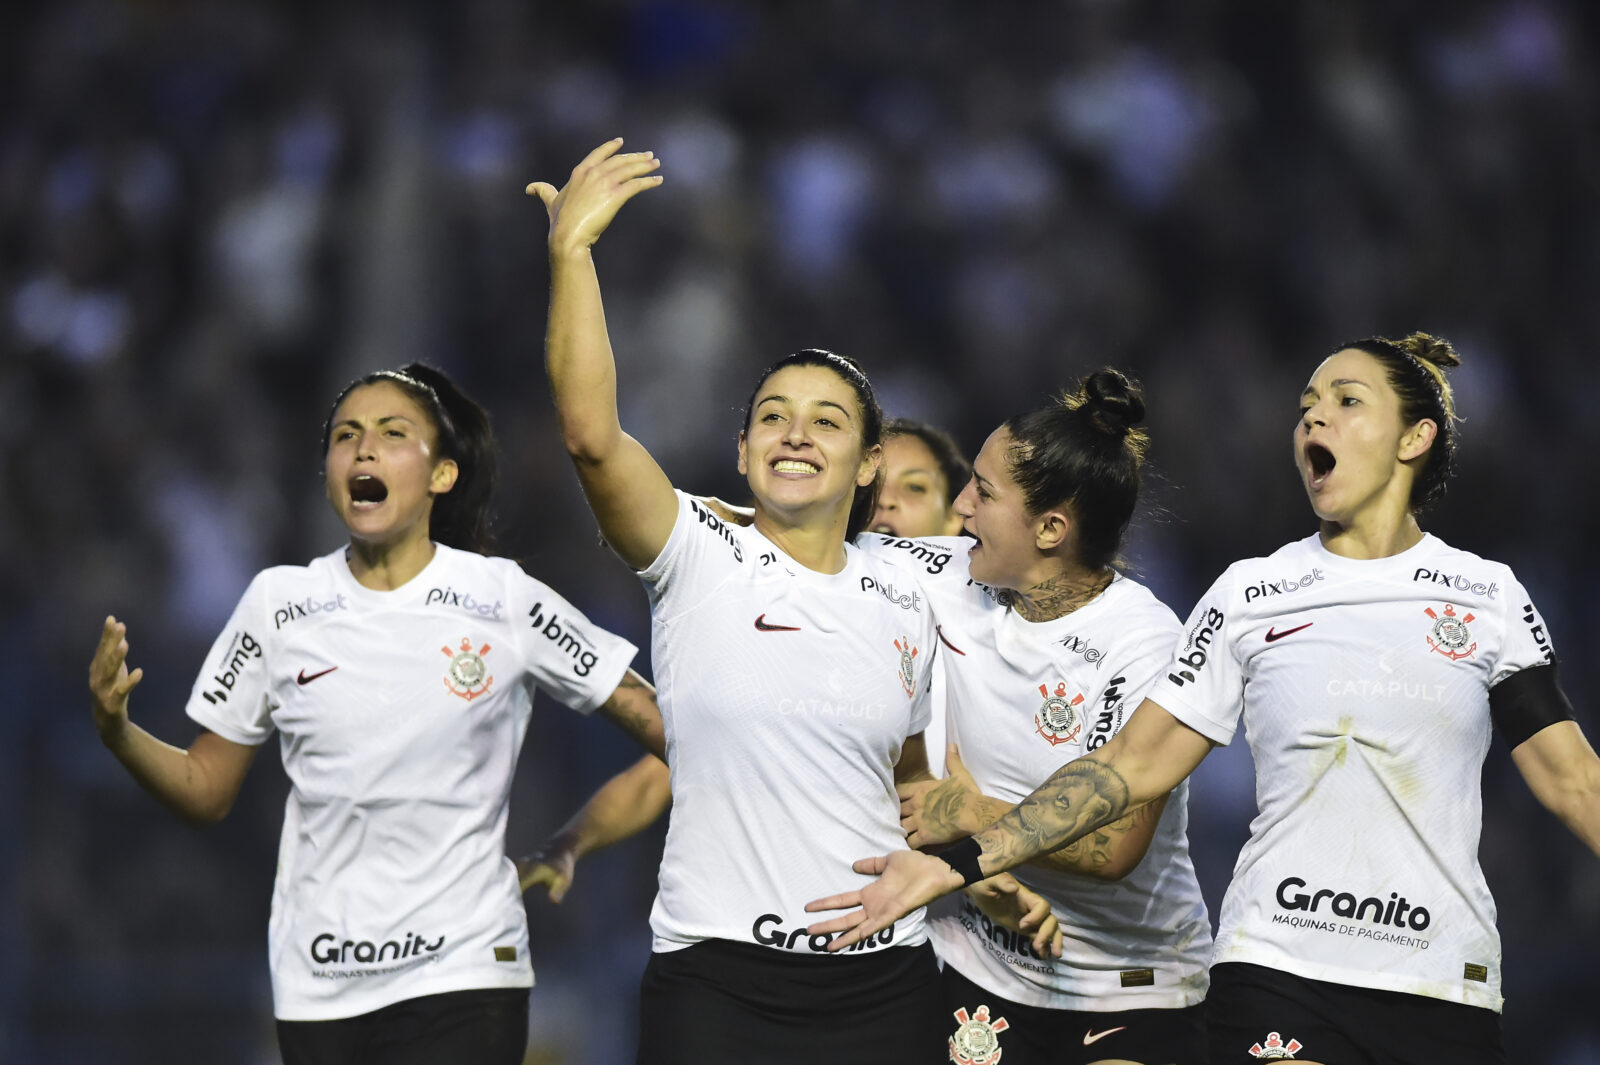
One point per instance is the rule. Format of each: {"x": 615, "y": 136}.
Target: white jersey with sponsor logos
{"x": 1364, "y": 690}
{"x": 787, "y": 696}
{"x": 1024, "y": 699}
{"x": 401, "y": 714}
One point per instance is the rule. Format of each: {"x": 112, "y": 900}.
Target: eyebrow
{"x": 776, "y": 398}
{"x": 381, "y": 421}
{"x": 1309, "y": 390}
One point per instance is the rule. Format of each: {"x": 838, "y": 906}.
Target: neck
{"x": 1371, "y": 537}
{"x": 385, "y": 567}
{"x": 816, "y": 546}
{"x": 1059, "y": 595}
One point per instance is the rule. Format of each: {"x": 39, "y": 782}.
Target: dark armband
{"x": 963, "y": 858}
{"x": 1526, "y": 702}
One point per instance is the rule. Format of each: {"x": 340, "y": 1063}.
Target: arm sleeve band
{"x": 963, "y": 858}
{"x": 1527, "y": 701}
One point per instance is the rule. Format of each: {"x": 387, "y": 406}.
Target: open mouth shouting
{"x": 1319, "y": 465}
{"x": 367, "y": 492}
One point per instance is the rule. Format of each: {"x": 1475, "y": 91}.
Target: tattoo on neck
{"x": 1060, "y": 595}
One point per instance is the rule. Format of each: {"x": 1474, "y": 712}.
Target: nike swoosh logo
{"x": 762, "y": 626}
{"x": 1091, "y": 1036}
{"x": 940, "y": 630}
{"x": 303, "y": 679}
{"x": 1273, "y": 634}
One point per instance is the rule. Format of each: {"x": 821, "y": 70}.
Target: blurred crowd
{"x": 214, "y": 213}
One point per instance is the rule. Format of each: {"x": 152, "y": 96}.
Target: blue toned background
{"x": 214, "y": 214}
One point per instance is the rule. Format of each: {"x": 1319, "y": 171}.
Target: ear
{"x": 1050, "y": 530}
{"x": 870, "y": 461}
{"x": 744, "y": 462}
{"x": 445, "y": 472}
{"x": 1415, "y": 441}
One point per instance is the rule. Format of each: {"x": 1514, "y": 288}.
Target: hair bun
{"x": 1114, "y": 403}
{"x": 1428, "y": 348}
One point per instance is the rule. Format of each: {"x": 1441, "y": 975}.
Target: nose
{"x": 796, "y": 436}
{"x": 966, "y": 501}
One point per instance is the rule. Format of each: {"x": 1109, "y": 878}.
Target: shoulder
{"x": 1138, "y": 610}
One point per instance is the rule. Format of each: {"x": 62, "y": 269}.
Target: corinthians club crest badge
{"x": 1450, "y": 635}
{"x": 1057, "y": 719}
{"x": 467, "y": 675}
{"x": 977, "y": 1040}
{"x": 908, "y": 671}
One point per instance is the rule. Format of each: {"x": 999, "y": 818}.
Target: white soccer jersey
{"x": 401, "y": 714}
{"x": 787, "y": 695}
{"x": 1364, "y": 689}
{"x": 1024, "y": 699}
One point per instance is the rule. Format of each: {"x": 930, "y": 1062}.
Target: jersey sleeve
{"x": 1527, "y": 641}
{"x": 567, "y": 655}
{"x": 1131, "y": 671}
{"x": 232, "y": 695}
{"x": 1203, "y": 685}
{"x": 701, "y": 553}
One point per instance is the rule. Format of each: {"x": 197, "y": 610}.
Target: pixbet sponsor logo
{"x": 904, "y": 600}
{"x": 931, "y": 558}
{"x": 329, "y": 949}
{"x": 305, "y": 608}
{"x": 1530, "y": 618}
{"x": 1282, "y": 587}
{"x": 463, "y": 601}
{"x": 1198, "y": 647}
{"x": 242, "y": 650}
{"x": 768, "y": 929}
{"x": 1396, "y": 912}
{"x": 1460, "y": 582}
{"x": 1079, "y": 645}
{"x": 1109, "y": 717}
{"x": 718, "y": 526}
{"x": 568, "y": 640}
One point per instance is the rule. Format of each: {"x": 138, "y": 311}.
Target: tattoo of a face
{"x": 1078, "y": 798}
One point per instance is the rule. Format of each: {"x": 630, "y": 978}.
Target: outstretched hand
{"x": 906, "y": 880}
{"x": 109, "y": 680}
{"x": 593, "y": 195}
{"x": 1005, "y": 900}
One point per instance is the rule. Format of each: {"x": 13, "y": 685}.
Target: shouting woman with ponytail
{"x": 1370, "y": 663}
{"x": 399, "y": 672}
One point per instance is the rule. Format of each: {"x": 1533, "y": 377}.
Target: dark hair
{"x": 946, "y": 452}
{"x": 1084, "y": 452}
{"x": 1416, "y": 369}
{"x": 460, "y": 517}
{"x": 849, "y": 371}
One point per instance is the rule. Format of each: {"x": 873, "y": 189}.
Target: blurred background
{"x": 214, "y": 214}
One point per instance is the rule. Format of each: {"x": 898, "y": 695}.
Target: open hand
{"x": 906, "y": 880}
{"x": 593, "y": 195}
{"x": 110, "y": 682}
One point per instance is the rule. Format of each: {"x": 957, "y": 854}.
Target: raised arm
{"x": 629, "y": 494}
{"x": 1148, "y": 758}
{"x": 198, "y": 784}
{"x": 624, "y": 806}
{"x": 1564, "y": 773}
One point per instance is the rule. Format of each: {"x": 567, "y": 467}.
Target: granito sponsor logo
{"x": 718, "y": 526}
{"x": 903, "y": 600}
{"x": 768, "y": 929}
{"x": 1381, "y": 688}
{"x": 1459, "y": 581}
{"x": 1198, "y": 647}
{"x": 931, "y": 558}
{"x": 1530, "y": 618}
{"x": 1079, "y": 645}
{"x": 306, "y": 608}
{"x": 1109, "y": 717}
{"x": 1396, "y": 912}
{"x": 463, "y": 601}
{"x": 576, "y": 645}
{"x": 1013, "y": 948}
{"x": 1281, "y": 587}
{"x": 242, "y": 650}
{"x": 329, "y": 949}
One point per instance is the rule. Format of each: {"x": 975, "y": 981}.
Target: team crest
{"x": 467, "y": 675}
{"x": 1275, "y": 1049}
{"x": 908, "y": 671}
{"x": 1450, "y": 636}
{"x": 977, "y": 1040}
{"x": 1057, "y": 719}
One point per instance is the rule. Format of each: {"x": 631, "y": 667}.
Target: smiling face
{"x": 381, "y": 472}
{"x": 914, "y": 499}
{"x": 802, "y": 451}
{"x": 1356, "y": 456}
{"x": 1008, "y": 551}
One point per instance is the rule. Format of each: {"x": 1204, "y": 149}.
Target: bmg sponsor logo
{"x": 1530, "y": 618}
{"x": 463, "y": 601}
{"x": 329, "y": 949}
{"x": 1198, "y": 647}
{"x": 1283, "y": 587}
{"x": 567, "y": 640}
{"x": 718, "y": 526}
{"x": 1459, "y": 581}
{"x": 306, "y": 608}
{"x": 930, "y": 557}
{"x": 1109, "y": 717}
{"x": 242, "y": 650}
{"x": 768, "y": 929}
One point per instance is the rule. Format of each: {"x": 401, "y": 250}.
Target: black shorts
{"x": 1257, "y": 1014}
{"x": 488, "y": 1026}
{"x": 980, "y": 1027}
{"x": 725, "y": 1003}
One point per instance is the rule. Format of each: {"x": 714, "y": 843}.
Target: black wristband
{"x": 963, "y": 858}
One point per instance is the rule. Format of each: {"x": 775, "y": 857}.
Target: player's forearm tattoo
{"x": 1096, "y": 850}
{"x": 632, "y": 707}
{"x": 1078, "y": 798}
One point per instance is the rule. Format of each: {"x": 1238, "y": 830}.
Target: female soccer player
{"x": 793, "y": 678}
{"x": 399, "y": 672}
{"x": 1044, "y": 647}
{"x": 1369, "y": 663}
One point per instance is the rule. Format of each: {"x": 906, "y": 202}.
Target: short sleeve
{"x": 1203, "y": 685}
{"x": 1131, "y": 671}
{"x": 1527, "y": 640}
{"x": 701, "y": 553}
{"x": 567, "y": 655}
{"x": 232, "y": 696}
